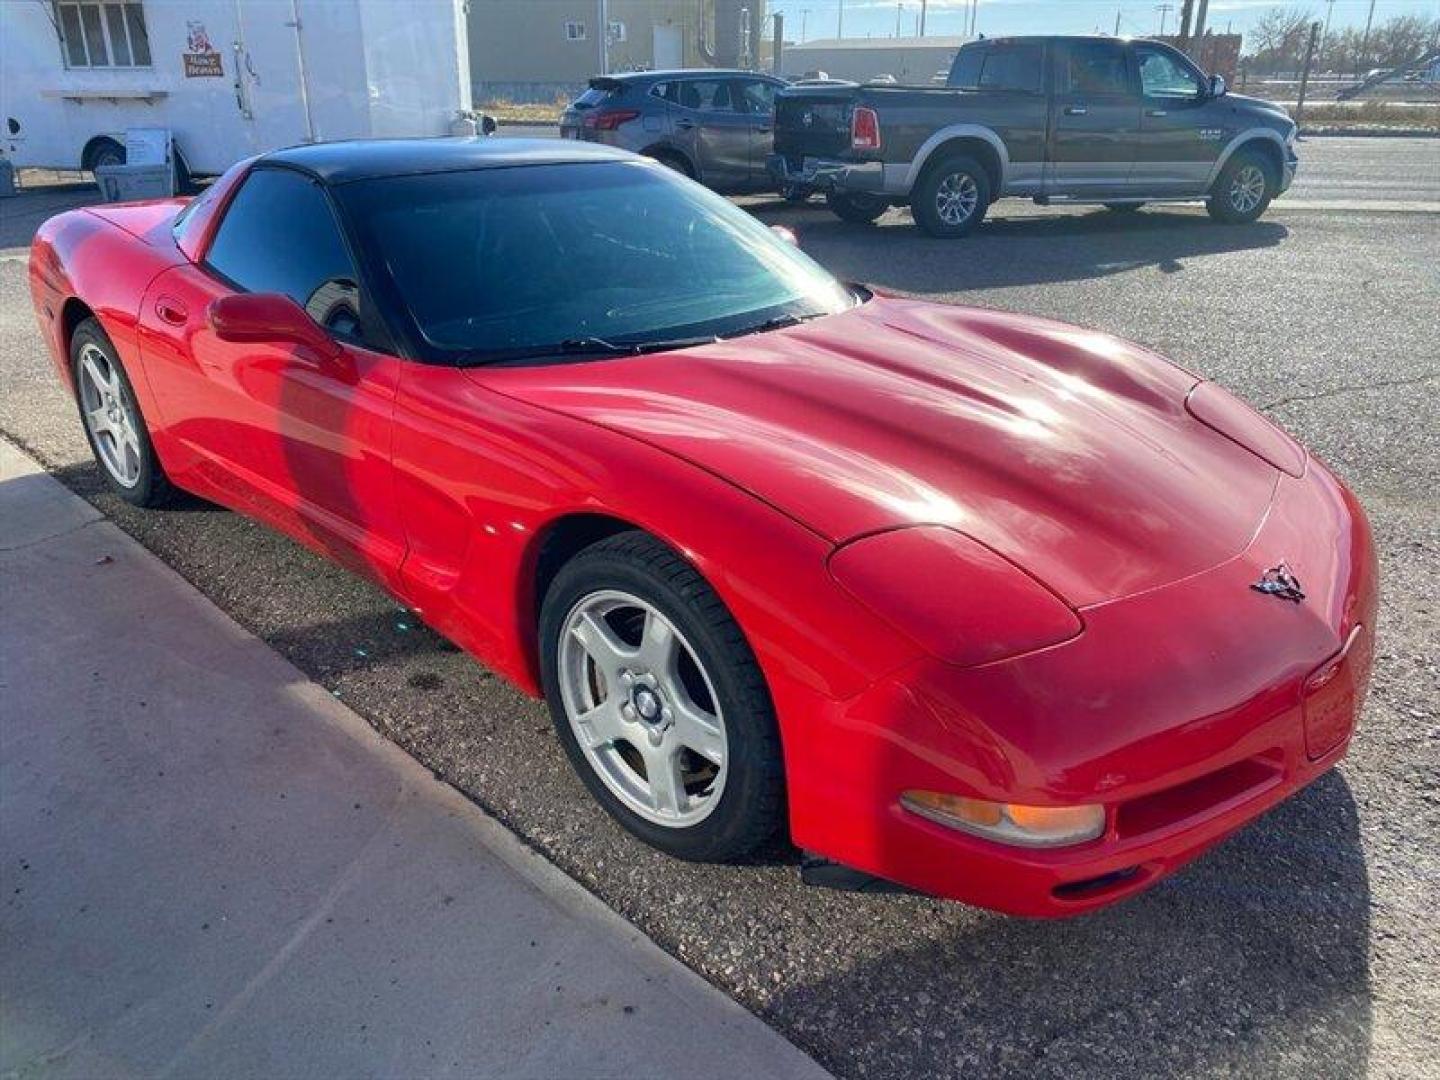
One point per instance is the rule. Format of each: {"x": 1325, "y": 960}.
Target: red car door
{"x": 273, "y": 429}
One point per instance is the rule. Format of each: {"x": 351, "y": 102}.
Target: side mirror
{"x": 1217, "y": 85}
{"x": 269, "y": 317}
{"x": 487, "y": 125}
{"x": 788, "y": 235}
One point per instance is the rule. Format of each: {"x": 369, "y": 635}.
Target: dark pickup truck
{"x": 1056, "y": 119}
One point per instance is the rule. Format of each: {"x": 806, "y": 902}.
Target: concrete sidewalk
{"x": 211, "y": 867}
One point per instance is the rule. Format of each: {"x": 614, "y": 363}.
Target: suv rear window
{"x": 594, "y": 96}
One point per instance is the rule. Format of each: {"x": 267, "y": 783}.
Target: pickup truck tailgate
{"x": 812, "y": 123}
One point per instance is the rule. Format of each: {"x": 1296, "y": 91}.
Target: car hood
{"x": 1249, "y": 104}
{"x": 1069, "y": 452}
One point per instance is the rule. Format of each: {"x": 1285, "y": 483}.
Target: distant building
{"x": 539, "y": 50}
{"x": 909, "y": 60}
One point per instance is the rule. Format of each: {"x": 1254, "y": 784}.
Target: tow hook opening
{"x": 1102, "y": 884}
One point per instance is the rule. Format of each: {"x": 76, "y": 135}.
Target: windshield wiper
{"x": 589, "y": 347}
{"x": 778, "y": 322}
{"x": 600, "y": 347}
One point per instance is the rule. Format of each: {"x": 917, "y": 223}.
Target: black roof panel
{"x": 365, "y": 159}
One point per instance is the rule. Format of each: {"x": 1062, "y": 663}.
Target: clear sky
{"x": 877, "y": 18}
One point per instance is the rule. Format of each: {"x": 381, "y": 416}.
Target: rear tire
{"x": 663, "y": 678}
{"x": 855, "y": 207}
{"x": 113, "y": 423}
{"x": 951, "y": 198}
{"x": 1243, "y": 190}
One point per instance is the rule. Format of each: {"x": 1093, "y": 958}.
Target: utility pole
{"x": 1325, "y": 34}
{"x": 1117, "y": 22}
{"x": 1164, "y": 9}
{"x": 804, "y": 21}
{"x": 922, "y": 17}
{"x": 604, "y": 14}
{"x": 840, "y": 21}
{"x": 776, "y": 66}
{"x": 1305, "y": 72}
{"x": 899, "y": 11}
{"x": 1361, "y": 57}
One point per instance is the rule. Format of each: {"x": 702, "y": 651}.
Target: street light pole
{"x": 922, "y": 17}
{"x": 840, "y": 21}
{"x": 1365, "y": 41}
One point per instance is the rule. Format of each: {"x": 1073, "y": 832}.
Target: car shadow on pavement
{"x": 1016, "y": 251}
{"x": 1253, "y": 961}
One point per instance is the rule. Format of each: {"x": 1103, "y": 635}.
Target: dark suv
{"x": 715, "y": 126}
{"x": 1057, "y": 119}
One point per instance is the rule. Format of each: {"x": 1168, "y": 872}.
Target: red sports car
{"x": 993, "y": 607}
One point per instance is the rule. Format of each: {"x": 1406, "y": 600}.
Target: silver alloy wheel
{"x": 1247, "y": 189}
{"x": 629, "y": 683}
{"x": 110, "y": 416}
{"x": 956, "y": 198}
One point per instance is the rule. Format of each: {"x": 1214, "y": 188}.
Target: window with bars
{"x": 102, "y": 33}
{"x": 574, "y": 31}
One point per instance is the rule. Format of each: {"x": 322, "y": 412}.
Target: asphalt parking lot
{"x": 1305, "y": 945}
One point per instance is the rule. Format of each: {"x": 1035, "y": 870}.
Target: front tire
{"x": 952, "y": 197}
{"x": 113, "y": 423}
{"x": 855, "y": 207}
{"x": 659, "y": 701}
{"x": 1243, "y": 190}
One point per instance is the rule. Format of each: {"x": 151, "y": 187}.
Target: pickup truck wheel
{"x": 1243, "y": 190}
{"x": 951, "y": 198}
{"x": 855, "y": 208}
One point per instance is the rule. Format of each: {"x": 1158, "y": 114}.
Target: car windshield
{"x": 495, "y": 264}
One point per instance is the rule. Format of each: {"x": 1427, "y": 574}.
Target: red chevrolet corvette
{"x": 990, "y": 606}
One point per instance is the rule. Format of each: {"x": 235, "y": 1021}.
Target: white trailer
{"x": 229, "y": 78}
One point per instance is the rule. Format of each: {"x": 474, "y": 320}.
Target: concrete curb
{"x": 407, "y": 934}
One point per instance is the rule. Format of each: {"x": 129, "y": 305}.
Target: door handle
{"x": 171, "y": 311}
{"x": 1075, "y": 110}
{"x": 684, "y": 125}
{"x": 763, "y": 130}
{"x": 1156, "y": 112}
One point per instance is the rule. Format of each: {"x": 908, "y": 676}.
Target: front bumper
{"x": 828, "y": 174}
{"x": 1287, "y": 175}
{"x": 1186, "y": 711}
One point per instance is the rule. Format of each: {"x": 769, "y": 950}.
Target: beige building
{"x": 538, "y": 50}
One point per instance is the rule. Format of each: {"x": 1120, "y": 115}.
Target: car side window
{"x": 758, "y": 96}
{"x": 1093, "y": 68}
{"x": 1018, "y": 68}
{"x": 1162, "y": 75}
{"x": 280, "y": 235}
{"x": 702, "y": 95}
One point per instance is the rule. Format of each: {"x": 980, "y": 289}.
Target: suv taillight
{"x": 609, "y": 119}
{"x": 864, "y": 129}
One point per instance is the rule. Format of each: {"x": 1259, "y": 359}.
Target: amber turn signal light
{"x": 1009, "y": 823}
